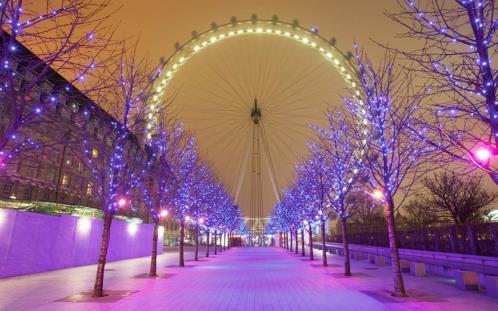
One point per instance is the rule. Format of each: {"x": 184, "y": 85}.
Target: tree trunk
{"x": 153, "y": 257}
{"x": 311, "y": 241}
{"x": 291, "y": 241}
{"x": 221, "y": 243}
{"x": 345, "y": 247}
{"x": 207, "y": 243}
{"x": 98, "y": 290}
{"x": 196, "y": 253}
{"x": 182, "y": 235}
{"x": 324, "y": 249}
{"x": 399, "y": 286}
{"x": 215, "y": 242}
{"x": 303, "y": 253}
{"x": 296, "y": 250}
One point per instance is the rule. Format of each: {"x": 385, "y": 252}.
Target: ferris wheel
{"x": 248, "y": 90}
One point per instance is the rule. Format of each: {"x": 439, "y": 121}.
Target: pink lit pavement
{"x": 239, "y": 279}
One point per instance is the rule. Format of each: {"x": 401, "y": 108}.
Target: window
{"x": 95, "y": 153}
{"x": 7, "y": 189}
{"x": 65, "y": 180}
{"x": 89, "y": 188}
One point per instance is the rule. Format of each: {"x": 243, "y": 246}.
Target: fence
{"x": 475, "y": 239}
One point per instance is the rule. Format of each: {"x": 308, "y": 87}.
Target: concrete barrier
{"x": 404, "y": 265}
{"x": 466, "y": 279}
{"x": 491, "y": 284}
{"x": 380, "y": 261}
{"x": 417, "y": 268}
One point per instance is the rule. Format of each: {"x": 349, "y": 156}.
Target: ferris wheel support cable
{"x": 260, "y": 186}
{"x": 241, "y": 172}
{"x": 279, "y": 141}
{"x": 271, "y": 167}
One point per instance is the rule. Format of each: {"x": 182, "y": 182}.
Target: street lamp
{"x": 378, "y": 195}
{"x": 164, "y": 213}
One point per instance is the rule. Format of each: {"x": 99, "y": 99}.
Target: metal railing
{"x": 474, "y": 239}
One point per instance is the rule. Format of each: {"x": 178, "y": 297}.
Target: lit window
{"x": 89, "y": 188}
{"x": 95, "y": 153}
{"x": 65, "y": 180}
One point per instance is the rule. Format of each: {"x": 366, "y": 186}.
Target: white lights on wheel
{"x": 240, "y": 28}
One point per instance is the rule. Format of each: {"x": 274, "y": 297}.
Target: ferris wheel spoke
{"x": 220, "y": 92}
{"x": 294, "y": 80}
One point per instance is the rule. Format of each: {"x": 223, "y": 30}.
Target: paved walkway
{"x": 255, "y": 279}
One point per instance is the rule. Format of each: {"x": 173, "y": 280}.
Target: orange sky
{"x": 222, "y": 142}
{"x": 161, "y": 23}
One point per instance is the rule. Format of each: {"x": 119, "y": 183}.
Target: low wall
{"x": 31, "y": 243}
{"x": 438, "y": 263}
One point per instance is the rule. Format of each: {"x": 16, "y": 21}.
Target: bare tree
{"x": 117, "y": 163}
{"x": 161, "y": 184}
{"x": 48, "y": 49}
{"x": 458, "y": 46}
{"x": 383, "y": 126}
{"x": 418, "y": 214}
{"x": 458, "y": 199}
{"x": 342, "y": 170}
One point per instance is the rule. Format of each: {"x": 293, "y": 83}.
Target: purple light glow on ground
{"x": 240, "y": 279}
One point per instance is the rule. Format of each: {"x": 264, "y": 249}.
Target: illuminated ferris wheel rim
{"x": 234, "y": 29}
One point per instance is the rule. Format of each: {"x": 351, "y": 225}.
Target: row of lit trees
{"x": 440, "y": 105}
{"x": 74, "y": 40}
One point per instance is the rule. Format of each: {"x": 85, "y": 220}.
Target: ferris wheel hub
{"x": 255, "y": 113}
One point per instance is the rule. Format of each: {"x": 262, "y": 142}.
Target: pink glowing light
{"x": 122, "y": 202}
{"x": 164, "y": 213}
{"x": 201, "y": 220}
{"x": 483, "y": 154}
